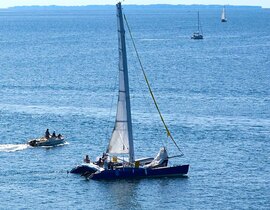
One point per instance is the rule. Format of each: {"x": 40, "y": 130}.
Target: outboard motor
{"x": 33, "y": 143}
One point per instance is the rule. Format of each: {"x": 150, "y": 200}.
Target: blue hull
{"x": 136, "y": 173}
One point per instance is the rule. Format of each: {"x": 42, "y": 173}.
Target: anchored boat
{"x": 112, "y": 165}
{"x": 198, "y": 34}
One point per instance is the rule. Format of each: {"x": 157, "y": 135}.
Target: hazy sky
{"x": 10, "y": 3}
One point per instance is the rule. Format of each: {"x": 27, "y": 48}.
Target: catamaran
{"x": 198, "y": 34}
{"x": 223, "y": 16}
{"x": 111, "y": 165}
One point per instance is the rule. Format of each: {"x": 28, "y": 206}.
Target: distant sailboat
{"x": 223, "y": 15}
{"x": 198, "y": 34}
{"x": 113, "y": 165}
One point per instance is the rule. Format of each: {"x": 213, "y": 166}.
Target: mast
{"x": 198, "y": 22}
{"x": 122, "y": 138}
{"x": 123, "y": 67}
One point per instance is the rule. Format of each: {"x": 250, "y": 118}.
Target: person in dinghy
{"x": 47, "y": 134}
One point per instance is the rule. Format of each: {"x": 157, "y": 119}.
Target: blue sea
{"x": 59, "y": 70}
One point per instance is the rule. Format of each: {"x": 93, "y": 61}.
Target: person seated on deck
{"x": 86, "y": 159}
{"x": 105, "y": 165}
{"x": 54, "y": 135}
{"x": 104, "y": 160}
{"x": 47, "y": 134}
{"x": 110, "y": 165}
{"x": 59, "y": 136}
{"x": 100, "y": 162}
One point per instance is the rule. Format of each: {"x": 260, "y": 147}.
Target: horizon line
{"x": 221, "y": 5}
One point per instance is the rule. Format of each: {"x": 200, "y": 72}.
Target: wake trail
{"x": 13, "y": 147}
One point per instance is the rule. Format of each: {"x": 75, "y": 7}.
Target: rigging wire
{"x": 150, "y": 90}
{"x": 137, "y": 74}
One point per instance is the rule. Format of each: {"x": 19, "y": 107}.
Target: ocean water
{"x": 59, "y": 71}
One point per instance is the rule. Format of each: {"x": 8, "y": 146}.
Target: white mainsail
{"x": 223, "y": 17}
{"x": 122, "y": 138}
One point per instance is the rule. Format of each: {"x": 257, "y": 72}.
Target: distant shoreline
{"x": 130, "y": 7}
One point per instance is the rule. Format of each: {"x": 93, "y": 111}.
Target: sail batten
{"x": 122, "y": 138}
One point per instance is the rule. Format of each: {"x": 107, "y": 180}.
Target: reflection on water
{"x": 121, "y": 193}
{"x": 140, "y": 193}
